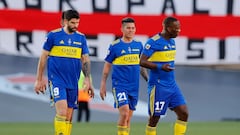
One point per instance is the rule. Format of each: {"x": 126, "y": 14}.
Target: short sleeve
{"x": 48, "y": 43}
{"x": 84, "y": 46}
{"x": 147, "y": 50}
{"x": 110, "y": 54}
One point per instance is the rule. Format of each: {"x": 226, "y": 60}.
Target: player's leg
{"x": 130, "y": 114}
{"x": 181, "y": 122}
{"x": 69, "y": 120}
{"x": 157, "y": 106}
{"x": 60, "y": 118}
{"x": 121, "y": 102}
{"x": 180, "y": 108}
{"x": 123, "y": 119}
{"x": 72, "y": 104}
{"x": 151, "y": 126}
{"x": 59, "y": 97}
{"x": 132, "y": 102}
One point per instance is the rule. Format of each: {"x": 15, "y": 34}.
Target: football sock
{"x": 123, "y": 130}
{"x": 69, "y": 127}
{"x": 180, "y": 127}
{"x": 151, "y": 130}
{"x": 128, "y": 130}
{"x": 60, "y": 125}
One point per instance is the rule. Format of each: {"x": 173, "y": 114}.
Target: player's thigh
{"x": 72, "y": 98}
{"x": 120, "y": 96}
{"x": 58, "y": 92}
{"x": 132, "y": 101}
{"x": 177, "y": 99}
{"x": 61, "y": 107}
{"x": 158, "y": 100}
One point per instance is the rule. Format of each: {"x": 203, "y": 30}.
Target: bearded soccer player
{"x": 66, "y": 53}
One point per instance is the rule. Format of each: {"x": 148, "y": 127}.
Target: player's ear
{"x": 168, "y": 29}
{"x": 64, "y": 22}
{"x": 121, "y": 29}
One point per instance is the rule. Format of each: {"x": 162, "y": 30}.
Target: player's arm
{"x": 143, "y": 72}
{"x": 40, "y": 84}
{"x": 86, "y": 65}
{"x": 106, "y": 69}
{"x": 147, "y": 64}
{"x": 86, "y": 69}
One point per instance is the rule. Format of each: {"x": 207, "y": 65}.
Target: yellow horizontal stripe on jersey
{"x": 163, "y": 56}
{"x": 66, "y": 51}
{"x": 129, "y": 59}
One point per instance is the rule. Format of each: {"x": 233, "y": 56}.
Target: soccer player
{"x": 66, "y": 53}
{"x": 123, "y": 56}
{"x": 163, "y": 92}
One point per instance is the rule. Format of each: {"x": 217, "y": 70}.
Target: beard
{"x": 71, "y": 30}
{"x": 173, "y": 35}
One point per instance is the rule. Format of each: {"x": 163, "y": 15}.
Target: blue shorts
{"x": 123, "y": 96}
{"x": 61, "y": 93}
{"x": 161, "y": 98}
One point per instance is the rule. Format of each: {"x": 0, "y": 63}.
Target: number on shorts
{"x": 56, "y": 91}
{"x": 121, "y": 96}
{"x": 159, "y": 105}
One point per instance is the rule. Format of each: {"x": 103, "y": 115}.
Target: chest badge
{"x": 129, "y": 49}
{"x": 69, "y": 41}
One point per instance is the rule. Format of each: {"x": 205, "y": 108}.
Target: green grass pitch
{"x": 194, "y": 128}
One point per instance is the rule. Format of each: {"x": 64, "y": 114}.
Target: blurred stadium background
{"x": 208, "y": 53}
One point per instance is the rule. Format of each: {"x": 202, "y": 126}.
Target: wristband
{"x": 159, "y": 66}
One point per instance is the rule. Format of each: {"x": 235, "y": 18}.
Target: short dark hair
{"x": 169, "y": 20}
{"x": 63, "y": 15}
{"x": 69, "y": 14}
{"x": 128, "y": 20}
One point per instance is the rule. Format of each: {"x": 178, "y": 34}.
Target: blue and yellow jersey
{"x": 160, "y": 51}
{"x": 64, "y": 61}
{"x": 125, "y": 58}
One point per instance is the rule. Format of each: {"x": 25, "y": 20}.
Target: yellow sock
{"x": 60, "y": 125}
{"x": 180, "y": 127}
{"x": 69, "y": 127}
{"x": 151, "y": 130}
{"x": 128, "y": 130}
{"x": 123, "y": 130}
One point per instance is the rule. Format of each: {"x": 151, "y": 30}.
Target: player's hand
{"x": 167, "y": 67}
{"x": 91, "y": 91}
{"x": 40, "y": 86}
{"x": 103, "y": 92}
{"x": 86, "y": 84}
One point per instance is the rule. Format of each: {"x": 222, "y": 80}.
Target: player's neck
{"x": 127, "y": 39}
{"x": 67, "y": 31}
{"x": 164, "y": 35}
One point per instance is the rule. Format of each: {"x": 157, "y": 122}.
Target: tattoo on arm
{"x": 86, "y": 69}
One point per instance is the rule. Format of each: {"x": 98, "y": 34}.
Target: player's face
{"x": 72, "y": 25}
{"x": 128, "y": 30}
{"x": 174, "y": 29}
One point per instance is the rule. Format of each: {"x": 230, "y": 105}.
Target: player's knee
{"x": 183, "y": 115}
{"x": 153, "y": 120}
{"x": 125, "y": 115}
{"x": 62, "y": 113}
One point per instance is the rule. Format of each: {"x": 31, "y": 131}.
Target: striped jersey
{"x": 64, "y": 61}
{"x": 125, "y": 58}
{"x": 160, "y": 51}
